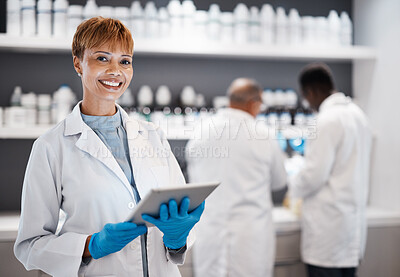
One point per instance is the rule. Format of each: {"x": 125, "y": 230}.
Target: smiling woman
{"x": 102, "y": 52}
{"x": 91, "y": 166}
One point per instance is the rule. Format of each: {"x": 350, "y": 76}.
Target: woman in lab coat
{"x": 95, "y": 166}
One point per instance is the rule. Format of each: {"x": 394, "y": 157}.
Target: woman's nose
{"x": 113, "y": 69}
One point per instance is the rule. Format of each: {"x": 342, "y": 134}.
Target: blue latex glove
{"x": 298, "y": 145}
{"x": 176, "y": 226}
{"x": 113, "y": 238}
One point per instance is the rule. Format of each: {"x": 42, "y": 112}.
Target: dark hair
{"x": 317, "y": 77}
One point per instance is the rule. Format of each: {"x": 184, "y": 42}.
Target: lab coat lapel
{"x": 90, "y": 143}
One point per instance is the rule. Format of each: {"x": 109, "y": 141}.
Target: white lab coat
{"x": 236, "y": 235}
{"x": 71, "y": 169}
{"x": 334, "y": 185}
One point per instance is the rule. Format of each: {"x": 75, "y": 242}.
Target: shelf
{"x": 200, "y": 49}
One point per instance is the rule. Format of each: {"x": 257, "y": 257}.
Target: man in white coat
{"x": 236, "y": 236}
{"x": 334, "y": 180}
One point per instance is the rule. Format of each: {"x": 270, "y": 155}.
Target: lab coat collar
{"x": 231, "y": 112}
{"x": 90, "y": 143}
{"x": 74, "y": 123}
{"x": 337, "y": 98}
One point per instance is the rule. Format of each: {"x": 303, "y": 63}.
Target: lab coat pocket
{"x": 161, "y": 173}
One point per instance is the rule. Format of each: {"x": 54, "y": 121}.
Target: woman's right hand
{"x": 113, "y": 238}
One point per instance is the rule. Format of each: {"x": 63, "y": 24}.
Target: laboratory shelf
{"x": 202, "y": 49}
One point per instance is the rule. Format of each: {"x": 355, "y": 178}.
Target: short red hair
{"x": 97, "y": 31}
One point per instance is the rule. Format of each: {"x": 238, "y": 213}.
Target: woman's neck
{"x": 99, "y": 109}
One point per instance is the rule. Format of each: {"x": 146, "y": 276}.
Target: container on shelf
{"x": 13, "y": 18}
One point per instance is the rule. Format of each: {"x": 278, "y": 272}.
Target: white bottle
{"x": 294, "y": 27}
{"x": 214, "y": 22}
{"x": 188, "y": 11}
{"x": 44, "y": 18}
{"x": 151, "y": 20}
{"x": 122, "y": 14}
{"x": 321, "y": 31}
{"x": 200, "y": 26}
{"x": 126, "y": 99}
{"x": 106, "y": 11}
{"x": 188, "y": 96}
{"x": 279, "y": 97}
{"x": 334, "y": 28}
{"x": 75, "y": 17}
{"x": 44, "y": 109}
{"x": 1, "y": 117}
{"x": 226, "y": 27}
{"x": 90, "y": 10}
{"x": 241, "y": 15}
{"x": 63, "y": 99}
{"x": 267, "y": 15}
{"x": 163, "y": 96}
{"x": 175, "y": 12}
{"x": 164, "y": 24}
{"x": 16, "y": 97}
{"x": 145, "y": 96}
{"x": 282, "y": 26}
{"x": 60, "y": 10}
{"x": 309, "y": 30}
{"x": 29, "y": 103}
{"x": 268, "y": 98}
{"x": 254, "y": 25}
{"x": 13, "y": 18}
{"x": 137, "y": 20}
{"x": 291, "y": 98}
{"x": 346, "y": 30}
{"x": 28, "y": 18}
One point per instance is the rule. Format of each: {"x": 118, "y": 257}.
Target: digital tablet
{"x": 150, "y": 204}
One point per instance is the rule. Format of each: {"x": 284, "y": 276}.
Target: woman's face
{"x": 105, "y": 73}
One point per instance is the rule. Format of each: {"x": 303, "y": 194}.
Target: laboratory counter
{"x": 380, "y": 257}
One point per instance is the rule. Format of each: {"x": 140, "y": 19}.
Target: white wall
{"x": 377, "y": 90}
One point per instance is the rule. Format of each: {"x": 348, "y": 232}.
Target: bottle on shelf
{"x": 28, "y": 17}
{"x": 13, "y": 18}
{"x": 321, "y": 31}
{"x": 226, "y": 27}
{"x": 294, "y": 27}
{"x": 151, "y": 20}
{"x": 15, "y": 100}
{"x": 346, "y": 29}
{"x": 90, "y": 10}
{"x": 44, "y": 8}
{"x": 241, "y": 16}
{"x": 334, "y": 28}
{"x": 200, "y": 25}
{"x": 214, "y": 23}
{"x": 282, "y": 25}
{"x": 309, "y": 30}
{"x": 29, "y": 103}
{"x": 254, "y": 25}
{"x": 145, "y": 100}
{"x": 122, "y": 14}
{"x": 267, "y": 15}
{"x": 106, "y": 11}
{"x": 163, "y": 97}
{"x": 175, "y": 12}
{"x": 188, "y": 11}
{"x": 164, "y": 24}
{"x": 44, "y": 109}
{"x": 188, "y": 97}
{"x": 126, "y": 100}
{"x": 60, "y": 18}
{"x": 63, "y": 99}
{"x": 74, "y": 18}
{"x": 137, "y": 20}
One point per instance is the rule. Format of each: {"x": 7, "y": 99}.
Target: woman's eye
{"x": 125, "y": 62}
{"x": 102, "y": 59}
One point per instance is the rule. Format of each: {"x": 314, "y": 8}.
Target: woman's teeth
{"x": 113, "y": 84}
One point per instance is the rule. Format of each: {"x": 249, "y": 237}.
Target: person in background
{"x": 236, "y": 236}
{"x": 333, "y": 182}
{"x": 95, "y": 166}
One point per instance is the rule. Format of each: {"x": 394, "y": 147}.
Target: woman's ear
{"x": 77, "y": 65}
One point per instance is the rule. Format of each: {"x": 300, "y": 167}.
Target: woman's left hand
{"x": 176, "y": 225}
